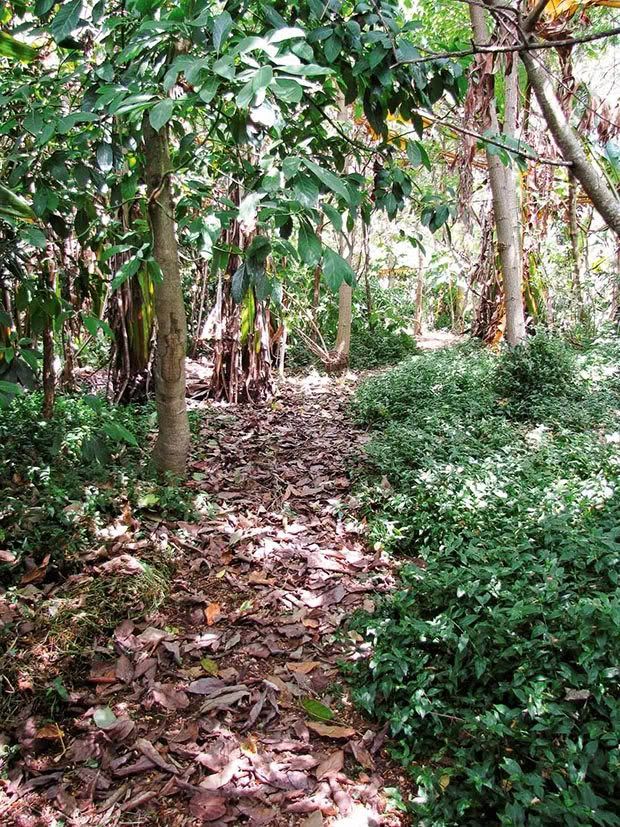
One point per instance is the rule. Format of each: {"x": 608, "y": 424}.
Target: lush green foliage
{"x": 64, "y": 479}
{"x": 496, "y": 663}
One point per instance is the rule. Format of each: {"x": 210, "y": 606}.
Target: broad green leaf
{"x": 69, "y": 121}
{"x": 209, "y": 90}
{"x": 66, "y": 20}
{"x": 287, "y": 90}
{"x": 41, "y": 7}
{"x": 327, "y": 178}
{"x": 154, "y": 270}
{"x": 93, "y": 324}
{"x": 336, "y": 270}
{"x": 14, "y": 206}
{"x": 240, "y": 283}
{"x": 308, "y": 244}
{"x": 246, "y": 95}
{"x": 317, "y": 710}
{"x": 332, "y": 47}
{"x": 259, "y": 249}
{"x": 333, "y": 215}
{"x": 10, "y": 387}
{"x": 262, "y": 78}
{"x": 413, "y": 153}
{"x": 285, "y": 33}
{"x": 221, "y": 29}
{"x": 305, "y": 190}
{"x": 161, "y": 113}
{"x": 225, "y": 67}
{"x": 126, "y": 271}
{"x": 15, "y": 49}
{"x": 118, "y": 433}
{"x": 35, "y": 237}
{"x": 103, "y": 717}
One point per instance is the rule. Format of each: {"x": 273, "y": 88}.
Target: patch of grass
{"x": 496, "y": 662}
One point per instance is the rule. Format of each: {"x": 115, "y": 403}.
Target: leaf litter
{"x": 223, "y": 705}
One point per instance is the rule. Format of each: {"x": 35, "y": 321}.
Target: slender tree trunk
{"x": 171, "y": 447}
{"x": 419, "y": 305}
{"x": 569, "y": 144}
{"x": 49, "y": 373}
{"x": 505, "y": 206}
{"x": 573, "y": 231}
{"x": 343, "y": 338}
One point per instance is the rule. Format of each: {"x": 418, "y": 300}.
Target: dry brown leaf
{"x": 331, "y": 765}
{"x": 212, "y": 612}
{"x": 36, "y": 574}
{"x": 303, "y": 667}
{"x": 51, "y": 732}
{"x": 7, "y": 557}
{"x": 330, "y": 731}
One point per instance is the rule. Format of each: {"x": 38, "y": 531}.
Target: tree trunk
{"x": 49, "y": 373}
{"x": 419, "y": 304}
{"x": 569, "y": 144}
{"x": 172, "y": 445}
{"x": 573, "y": 231}
{"x": 343, "y": 338}
{"x": 505, "y": 206}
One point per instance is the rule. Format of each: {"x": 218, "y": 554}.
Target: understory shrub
{"x": 496, "y": 663}
{"x": 542, "y": 365}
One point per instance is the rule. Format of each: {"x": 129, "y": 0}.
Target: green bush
{"x": 496, "y": 663}
{"x": 543, "y": 365}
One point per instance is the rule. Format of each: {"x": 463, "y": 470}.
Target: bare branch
{"x": 486, "y": 48}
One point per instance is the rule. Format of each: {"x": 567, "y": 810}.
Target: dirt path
{"x": 206, "y": 711}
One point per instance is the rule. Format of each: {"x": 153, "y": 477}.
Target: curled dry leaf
{"x": 330, "y": 731}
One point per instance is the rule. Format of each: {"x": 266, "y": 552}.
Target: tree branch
{"x": 485, "y": 48}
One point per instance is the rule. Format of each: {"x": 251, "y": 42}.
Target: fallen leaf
{"x": 50, "y": 732}
{"x": 330, "y": 731}
{"x": 210, "y": 666}
{"x": 317, "y": 709}
{"x": 212, "y": 612}
{"x": 36, "y": 574}
{"x": 207, "y": 806}
{"x": 303, "y": 667}
{"x": 361, "y": 754}
{"x": 314, "y": 820}
{"x": 7, "y": 557}
{"x": 148, "y": 750}
{"x": 331, "y": 765}
{"x": 205, "y": 686}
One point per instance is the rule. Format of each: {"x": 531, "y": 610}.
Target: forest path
{"x": 206, "y": 711}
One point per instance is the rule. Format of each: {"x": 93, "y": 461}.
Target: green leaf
{"x": 317, "y": 710}
{"x": 334, "y": 216}
{"x": 327, "y": 178}
{"x": 10, "y": 387}
{"x": 245, "y": 96}
{"x": 126, "y": 271}
{"x": 413, "y": 153}
{"x": 336, "y": 270}
{"x": 332, "y": 47}
{"x": 210, "y": 666}
{"x": 262, "y": 78}
{"x": 259, "y": 249}
{"x": 118, "y": 433}
{"x": 285, "y": 33}
{"x": 13, "y": 206}
{"x": 103, "y": 717}
{"x": 93, "y": 324}
{"x": 154, "y": 270}
{"x": 287, "y": 90}
{"x": 35, "y": 237}
{"x": 306, "y": 191}
{"x": 15, "y": 49}
{"x": 66, "y": 20}
{"x": 161, "y": 113}
{"x": 221, "y": 29}
{"x": 308, "y": 244}
{"x": 240, "y": 283}
{"x": 225, "y": 67}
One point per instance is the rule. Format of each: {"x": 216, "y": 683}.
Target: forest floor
{"x": 225, "y": 704}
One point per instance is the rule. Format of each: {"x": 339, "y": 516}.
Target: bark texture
{"x": 569, "y": 144}
{"x": 171, "y": 447}
{"x": 504, "y": 191}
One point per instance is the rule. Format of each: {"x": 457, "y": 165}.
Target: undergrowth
{"x": 496, "y": 663}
